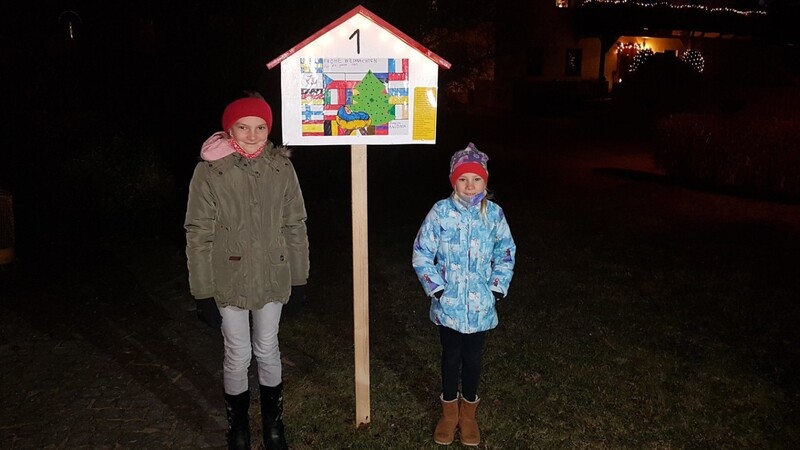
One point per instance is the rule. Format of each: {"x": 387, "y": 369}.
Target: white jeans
{"x": 238, "y": 348}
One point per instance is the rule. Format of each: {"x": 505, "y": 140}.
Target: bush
{"x": 663, "y": 84}
{"x": 742, "y": 153}
{"x": 470, "y": 50}
{"x": 121, "y": 180}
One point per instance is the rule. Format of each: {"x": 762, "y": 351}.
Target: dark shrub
{"x": 748, "y": 153}
{"x": 90, "y": 173}
{"x": 121, "y": 182}
{"x": 663, "y": 84}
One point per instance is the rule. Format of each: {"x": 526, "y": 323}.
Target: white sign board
{"x": 358, "y": 84}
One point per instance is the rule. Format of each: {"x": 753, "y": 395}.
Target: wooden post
{"x": 358, "y": 166}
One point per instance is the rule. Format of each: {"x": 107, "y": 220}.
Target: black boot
{"x": 272, "y": 417}
{"x": 237, "y": 407}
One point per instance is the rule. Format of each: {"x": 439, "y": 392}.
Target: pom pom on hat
{"x": 468, "y": 160}
{"x": 243, "y": 107}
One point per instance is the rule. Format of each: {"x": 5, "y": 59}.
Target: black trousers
{"x": 461, "y": 360}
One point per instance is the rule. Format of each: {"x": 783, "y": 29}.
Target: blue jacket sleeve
{"x": 503, "y": 257}
{"x": 425, "y": 247}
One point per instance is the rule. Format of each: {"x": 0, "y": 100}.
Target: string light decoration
{"x": 628, "y": 47}
{"x": 625, "y": 51}
{"x": 695, "y": 59}
{"x": 670, "y": 5}
{"x": 640, "y": 58}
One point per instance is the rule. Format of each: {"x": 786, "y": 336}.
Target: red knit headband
{"x": 468, "y": 167}
{"x": 244, "y": 107}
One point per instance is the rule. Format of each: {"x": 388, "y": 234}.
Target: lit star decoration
{"x": 695, "y": 59}
{"x": 670, "y": 5}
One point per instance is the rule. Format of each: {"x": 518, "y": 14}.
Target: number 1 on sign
{"x": 357, "y": 34}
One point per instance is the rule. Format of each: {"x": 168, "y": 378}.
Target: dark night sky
{"x": 133, "y": 78}
{"x": 158, "y": 65}
{"x": 155, "y": 73}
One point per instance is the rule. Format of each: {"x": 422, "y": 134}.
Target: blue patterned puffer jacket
{"x": 467, "y": 255}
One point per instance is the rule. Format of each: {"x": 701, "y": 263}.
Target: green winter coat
{"x": 246, "y": 241}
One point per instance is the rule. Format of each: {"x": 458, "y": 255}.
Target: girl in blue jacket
{"x": 464, "y": 258}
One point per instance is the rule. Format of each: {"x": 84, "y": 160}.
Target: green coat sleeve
{"x": 201, "y": 212}
{"x": 294, "y": 230}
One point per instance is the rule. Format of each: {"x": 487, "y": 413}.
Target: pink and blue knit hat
{"x": 468, "y": 160}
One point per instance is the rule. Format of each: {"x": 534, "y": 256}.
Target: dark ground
{"x": 100, "y": 346}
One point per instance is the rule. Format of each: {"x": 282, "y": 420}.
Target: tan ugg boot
{"x": 446, "y": 428}
{"x": 467, "y": 424}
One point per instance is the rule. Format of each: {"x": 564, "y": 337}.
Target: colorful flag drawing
{"x": 345, "y": 96}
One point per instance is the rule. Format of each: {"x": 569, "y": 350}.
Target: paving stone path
{"x": 100, "y": 348}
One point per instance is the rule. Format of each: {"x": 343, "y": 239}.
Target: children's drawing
{"x": 349, "y": 96}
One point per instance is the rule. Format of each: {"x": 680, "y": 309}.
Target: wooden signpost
{"x": 359, "y": 81}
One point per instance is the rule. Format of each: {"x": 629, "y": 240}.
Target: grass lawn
{"x": 641, "y": 315}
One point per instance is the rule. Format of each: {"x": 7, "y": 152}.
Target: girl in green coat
{"x": 247, "y": 252}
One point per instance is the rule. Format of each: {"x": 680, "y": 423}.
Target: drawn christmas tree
{"x": 371, "y": 97}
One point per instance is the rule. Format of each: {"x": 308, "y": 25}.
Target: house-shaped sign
{"x": 356, "y": 82}
{"x": 359, "y": 80}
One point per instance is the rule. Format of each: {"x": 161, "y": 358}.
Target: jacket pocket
{"x": 280, "y": 274}
{"x": 449, "y": 239}
{"x": 227, "y": 275}
{"x": 487, "y": 315}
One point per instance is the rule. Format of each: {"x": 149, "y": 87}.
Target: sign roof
{"x": 378, "y": 21}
